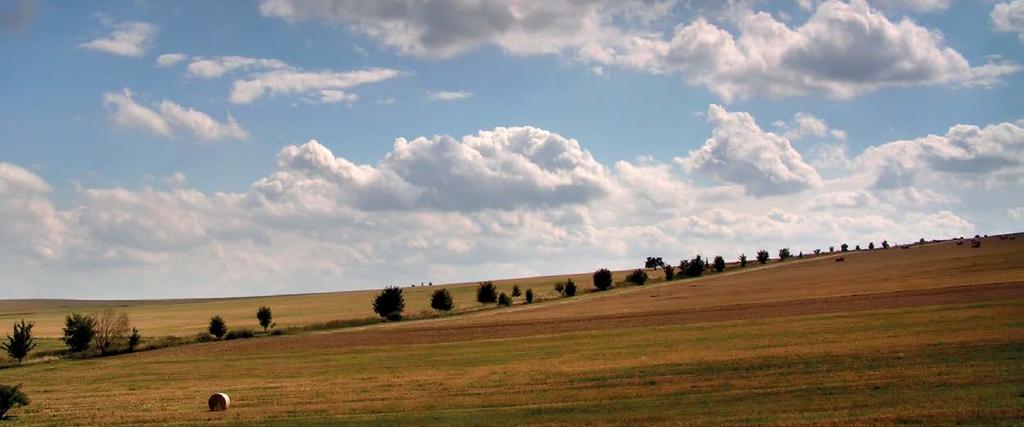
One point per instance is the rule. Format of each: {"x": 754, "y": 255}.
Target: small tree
{"x": 637, "y": 277}
{"x": 134, "y": 339}
{"x": 389, "y": 303}
{"x": 784, "y": 254}
{"x": 217, "y": 326}
{"x": 844, "y": 247}
{"x": 695, "y": 267}
{"x": 20, "y": 343}
{"x": 603, "y": 279}
{"x": 486, "y": 293}
{"x": 515, "y": 291}
{"x": 504, "y": 300}
{"x": 441, "y": 300}
{"x": 529, "y": 296}
{"x": 885, "y": 244}
{"x": 871, "y": 246}
{"x": 856, "y": 248}
{"x": 559, "y": 287}
{"x": 11, "y": 397}
{"x": 831, "y": 249}
{"x": 654, "y": 262}
{"x": 762, "y": 256}
{"x": 743, "y": 260}
{"x": 569, "y": 288}
{"x": 719, "y": 263}
{"x": 670, "y": 272}
{"x": 817, "y": 252}
{"x": 265, "y": 316}
{"x": 111, "y": 329}
{"x": 78, "y": 331}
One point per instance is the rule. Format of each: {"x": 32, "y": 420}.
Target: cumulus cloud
{"x": 448, "y": 95}
{"x": 128, "y": 39}
{"x": 169, "y": 59}
{"x": 894, "y": 5}
{"x": 740, "y": 152}
{"x": 292, "y": 82}
{"x": 1009, "y": 17}
{"x": 209, "y": 68}
{"x": 169, "y": 119}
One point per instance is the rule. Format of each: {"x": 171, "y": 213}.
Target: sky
{"x": 198, "y": 149}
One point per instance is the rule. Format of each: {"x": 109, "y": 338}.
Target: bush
{"x": 743, "y": 260}
{"x": 684, "y": 266}
{"x": 515, "y": 291}
{"x": 217, "y": 326}
{"x": 11, "y": 397}
{"x": 856, "y": 248}
{"x": 504, "y": 300}
{"x": 885, "y": 244}
{"x": 79, "y": 329}
{"x": 20, "y": 343}
{"x": 569, "y": 288}
{"x": 637, "y": 277}
{"x": 486, "y": 293}
{"x": 603, "y": 279}
{"x": 670, "y": 272}
{"x": 239, "y": 334}
{"x": 695, "y": 267}
{"x": 654, "y": 262}
{"x": 134, "y": 339}
{"x": 264, "y": 315}
{"x": 871, "y": 246}
{"x": 529, "y": 296}
{"x": 817, "y": 252}
{"x": 111, "y": 329}
{"x": 719, "y": 263}
{"x": 560, "y": 287}
{"x": 762, "y": 256}
{"x": 831, "y": 249}
{"x": 441, "y": 300}
{"x": 389, "y": 303}
{"x": 844, "y": 247}
{"x": 784, "y": 253}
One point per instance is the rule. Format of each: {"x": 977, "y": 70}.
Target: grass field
{"x": 932, "y": 335}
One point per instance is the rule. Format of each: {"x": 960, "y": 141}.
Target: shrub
{"x": 217, "y": 326}
{"x": 239, "y": 334}
{"x": 743, "y": 260}
{"x": 603, "y": 279}
{"x": 684, "y": 266}
{"x": 20, "y": 343}
{"x": 831, "y": 249}
{"x": 817, "y": 252}
{"x": 11, "y": 397}
{"x": 504, "y": 300}
{"x": 560, "y": 287}
{"x": 762, "y": 256}
{"x": 719, "y": 263}
{"x": 78, "y": 331}
{"x": 441, "y": 300}
{"x": 134, "y": 339}
{"x": 844, "y": 247}
{"x": 856, "y": 248}
{"x": 784, "y": 253}
{"x": 515, "y": 291}
{"x": 264, "y": 315}
{"x": 871, "y": 246}
{"x": 695, "y": 267}
{"x": 670, "y": 272}
{"x": 486, "y": 293}
{"x": 529, "y": 296}
{"x": 654, "y": 262}
{"x": 111, "y": 329}
{"x": 569, "y": 288}
{"x": 637, "y": 277}
{"x": 885, "y": 244}
{"x": 389, "y": 303}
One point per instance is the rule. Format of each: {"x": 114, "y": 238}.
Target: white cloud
{"x": 1016, "y": 214}
{"x": 740, "y": 152}
{"x": 328, "y": 96}
{"x": 1009, "y": 17}
{"x": 291, "y": 82}
{"x": 448, "y": 95}
{"x": 209, "y": 68}
{"x": 126, "y": 113}
{"x": 894, "y": 5}
{"x": 169, "y": 59}
{"x": 127, "y": 39}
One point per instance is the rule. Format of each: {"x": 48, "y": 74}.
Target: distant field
{"x": 932, "y": 335}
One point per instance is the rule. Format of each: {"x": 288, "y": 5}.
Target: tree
{"x": 670, "y": 272}
{"x": 11, "y": 397}
{"x": 844, "y": 247}
{"x": 784, "y": 253}
{"x": 20, "y": 343}
{"x": 217, "y": 326}
{"x": 515, "y": 291}
{"x": 871, "y": 246}
{"x": 800, "y": 254}
{"x": 389, "y": 303}
{"x": 78, "y": 331}
{"x": 719, "y": 263}
{"x": 504, "y": 300}
{"x": 817, "y": 252}
{"x": 529, "y": 296}
{"x": 743, "y": 260}
{"x": 831, "y": 249}
{"x": 441, "y": 300}
{"x": 885, "y": 244}
{"x": 695, "y": 267}
{"x": 654, "y": 262}
{"x": 134, "y": 339}
{"x": 856, "y": 248}
{"x": 486, "y": 293}
{"x": 569, "y": 288}
{"x": 637, "y": 277}
{"x": 111, "y": 329}
{"x": 264, "y": 315}
{"x": 603, "y": 279}
{"x": 684, "y": 266}
{"x": 560, "y": 287}
{"x": 762, "y": 256}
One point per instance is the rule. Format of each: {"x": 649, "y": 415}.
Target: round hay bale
{"x": 219, "y": 402}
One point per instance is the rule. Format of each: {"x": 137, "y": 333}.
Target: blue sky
{"x": 611, "y": 131}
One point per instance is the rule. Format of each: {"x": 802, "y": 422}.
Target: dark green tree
{"x": 11, "y": 397}
{"x": 695, "y": 267}
{"x": 743, "y": 260}
{"x": 762, "y": 256}
{"x": 637, "y": 277}
{"x": 441, "y": 300}
{"x": 389, "y": 303}
{"x": 20, "y": 343}
{"x": 486, "y": 293}
{"x": 265, "y": 316}
{"x": 871, "y": 246}
{"x": 844, "y": 247}
{"x": 217, "y": 326}
{"x": 654, "y": 262}
{"x": 569, "y": 288}
{"x": 670, "y": 272}
{"x": 784, "y": 253}
{"x": 885, "y": 244}
{"x": 719, "y": 263}
{"x": 504, "y": 299}
{"x": 560, "y": 288}
{"x": 603, "y": 279}
{"x": 79, "y": 330}
{"x": 515, "y": 291}
{"x": 529, "y": 296}
{"x": 134, "y": 339}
